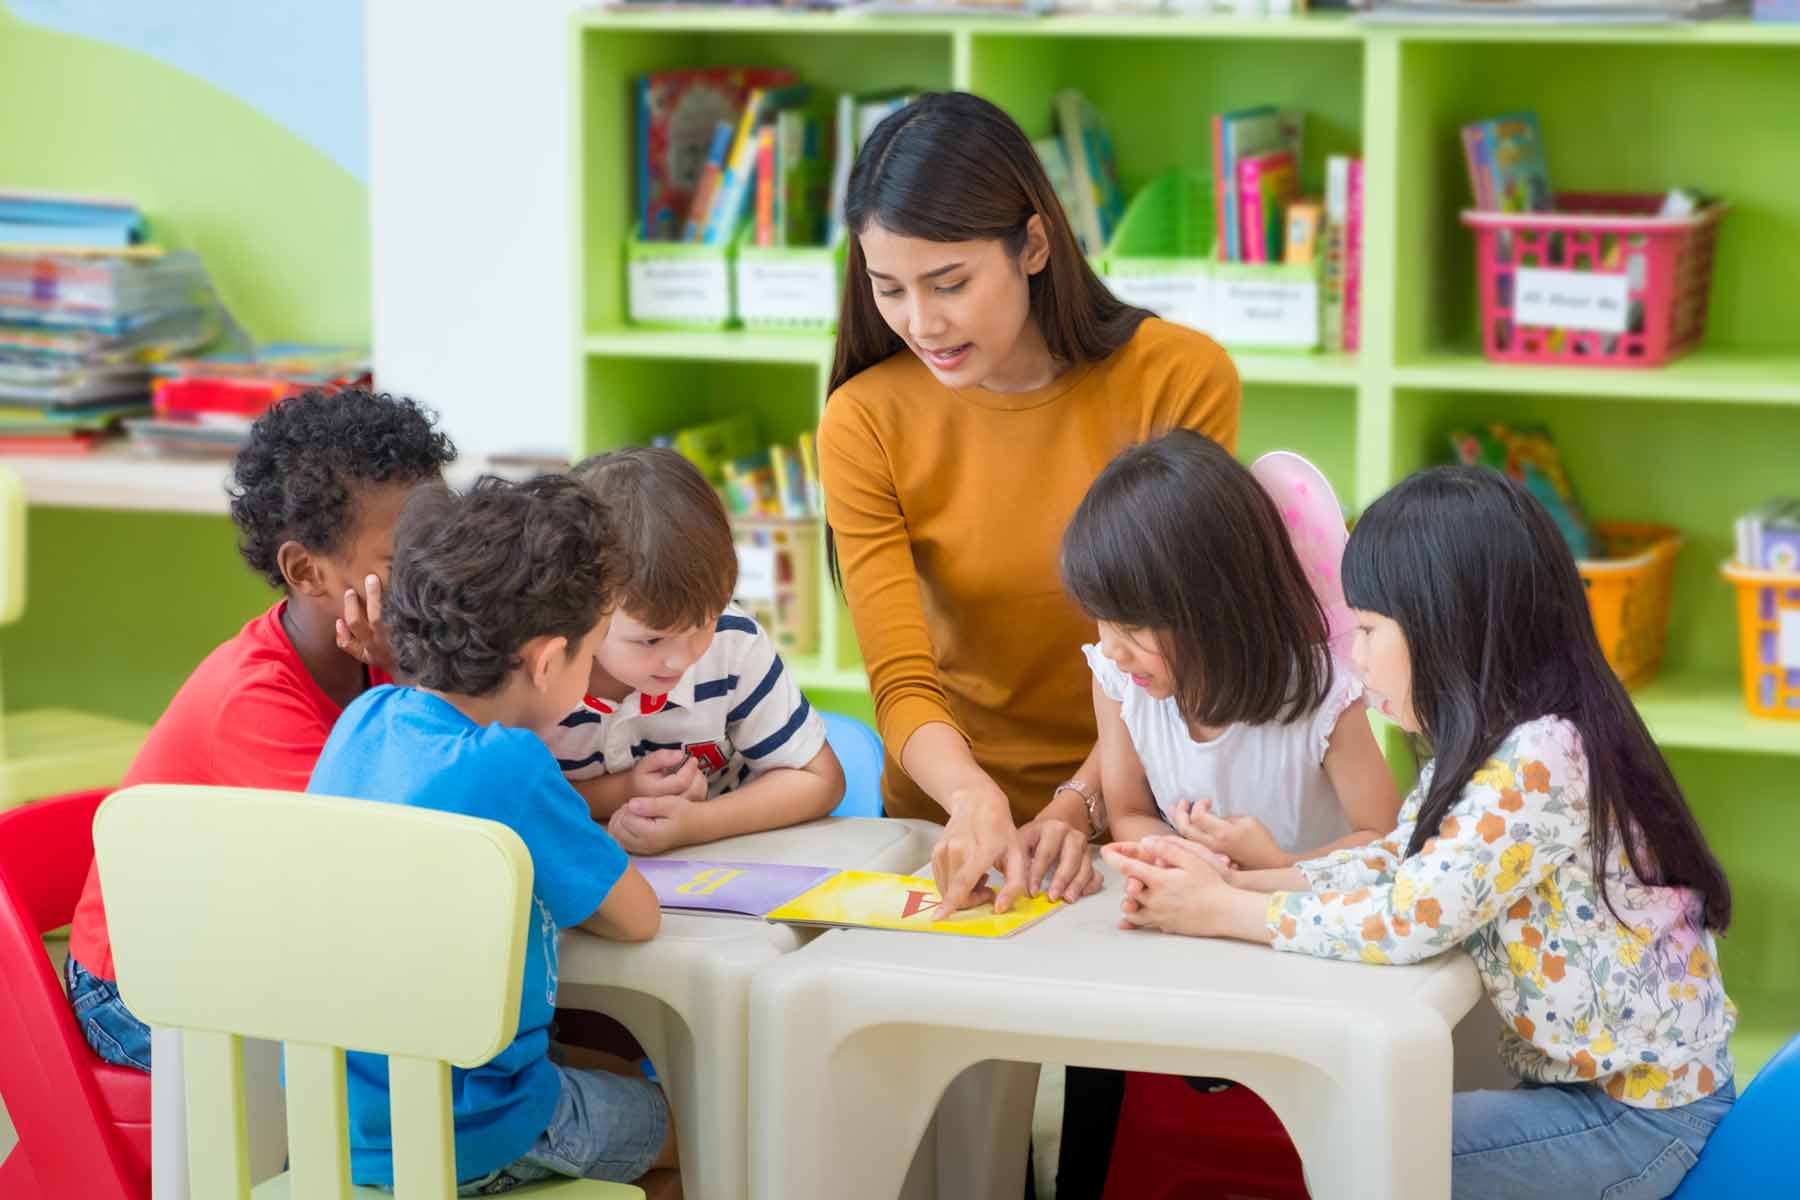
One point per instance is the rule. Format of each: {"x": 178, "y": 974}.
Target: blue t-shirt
{"x": 405, "y": 746}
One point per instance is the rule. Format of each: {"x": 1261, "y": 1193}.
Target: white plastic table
{"x": 854, "y": 1038}
{"x": 685, "y": 994}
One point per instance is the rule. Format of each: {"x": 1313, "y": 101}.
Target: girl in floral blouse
{"x": 1547, "y": 838}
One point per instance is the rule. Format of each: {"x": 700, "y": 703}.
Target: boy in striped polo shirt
{"x": 691, "y": 729}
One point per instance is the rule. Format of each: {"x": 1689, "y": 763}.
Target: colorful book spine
{"x": 1475, "y": 153}
{"x": 1337, "y": 219}
{"x": 1265, "y": 186}
{"x": 708, "y": 186}
{"x": 1305, "y": 220}
{"x": 809, "y": 470}
{"x": 1221, "y": 185}
{"x": 766, "y": 186}
{"x": 1353, "y": 240}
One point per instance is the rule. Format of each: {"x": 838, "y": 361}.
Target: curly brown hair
{"x": 298, "y": 475}
{"x": 478, "y": 574}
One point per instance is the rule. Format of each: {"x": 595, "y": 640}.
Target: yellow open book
{"x": 877, "y": 901}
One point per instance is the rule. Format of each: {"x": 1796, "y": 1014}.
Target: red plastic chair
{"x": 1178, "y": 1143}
{"x": 84, "y": 1125}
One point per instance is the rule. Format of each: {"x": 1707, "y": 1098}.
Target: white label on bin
{"x": 1182, "y": 298}
{"x": 787, "y": 290}
{"x": 680, "y": 289}
{"x": 756, "y": 574}
{"x": 1280, "y": 313}
{"x": 1571, "y": 299}
{"x": 1789, "y": 650}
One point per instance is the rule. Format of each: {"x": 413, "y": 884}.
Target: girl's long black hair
{"x": 1482, "y": 585}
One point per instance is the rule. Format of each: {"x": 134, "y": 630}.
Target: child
{"x": 1218, "y": 702}
{"x": 497, "y": 607}
{"x": 315, "y": 493}
{"x": 690, "y": 729}
{"x": 1547, "y": 838}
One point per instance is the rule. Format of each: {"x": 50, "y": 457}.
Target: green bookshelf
{"x": 1625, "y": 109}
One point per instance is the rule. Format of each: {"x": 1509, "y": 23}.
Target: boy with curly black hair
{"x": 499, "y": 603}
{"x": 315, "y": 494}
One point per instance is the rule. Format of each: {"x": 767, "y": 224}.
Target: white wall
{"x": 469, "y": 135}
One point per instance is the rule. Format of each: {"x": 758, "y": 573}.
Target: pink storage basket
{"x": 1633, "y": 285}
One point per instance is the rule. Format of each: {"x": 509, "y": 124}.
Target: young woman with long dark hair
{"x": 983, "y": 377}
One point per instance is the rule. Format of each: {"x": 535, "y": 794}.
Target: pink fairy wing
{"x": 1315, "y": 525}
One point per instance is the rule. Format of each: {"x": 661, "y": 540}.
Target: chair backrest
{"x": 12, "y": 546}
{"x": 1751, "y": 1152}
{"x": 858, "y": 749}
{"x": 327, "y": 924}
{"x": 48, "y": 1075}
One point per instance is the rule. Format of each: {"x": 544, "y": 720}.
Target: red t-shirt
{"x": 249, "y": 716}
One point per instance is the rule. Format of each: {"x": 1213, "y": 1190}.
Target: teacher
{"x": 983, "y": 376}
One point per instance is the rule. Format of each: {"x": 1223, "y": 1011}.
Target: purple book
{"x": 743, "y": 889}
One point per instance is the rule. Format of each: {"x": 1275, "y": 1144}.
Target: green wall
{"x": 121, "y": 606}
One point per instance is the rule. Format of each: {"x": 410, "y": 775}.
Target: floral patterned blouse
{"x": 1637, "y": 1007}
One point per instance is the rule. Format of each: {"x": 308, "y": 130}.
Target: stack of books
{"x": 205, "y": 406}
{"x": 80, "y": 333}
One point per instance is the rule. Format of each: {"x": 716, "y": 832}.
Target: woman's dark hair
{"x": 672, "y": 529}
{"x": 1176, "y": 536}
{"x": 296, "y": 477}
{"x": 952, "y": 167}
{"x": 1482, "y": 585}
{"x": 476, "y": 575}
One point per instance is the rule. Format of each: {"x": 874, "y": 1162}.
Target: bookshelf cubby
{"x": 1624, "y": 109}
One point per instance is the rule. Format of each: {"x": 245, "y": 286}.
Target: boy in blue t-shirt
{"x": 499, "y": 601}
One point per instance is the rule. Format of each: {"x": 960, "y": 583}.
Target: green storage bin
{"x": 678, "y": 285}
{"x": 792, "y": 289}
{"x": 1162, "y": 259}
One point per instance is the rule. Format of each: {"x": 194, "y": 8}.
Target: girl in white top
{"x": 1221, "y": 710}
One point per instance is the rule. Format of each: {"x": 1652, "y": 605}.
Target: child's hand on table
{"x": 1245, "y": 841}
{"x": 1168, "y": 884}
{"x": 360, "y": 633}
{"x": 664, "y": 818}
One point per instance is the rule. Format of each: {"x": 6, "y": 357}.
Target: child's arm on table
{"x": 629, "y": 913}
{"x": 774, "y": 799}
{"x": 1130, "y": 809}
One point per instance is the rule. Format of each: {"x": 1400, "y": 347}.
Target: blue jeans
{"x": 116, "y": 1035}
{"x": 606, "y": 1126}
{"x": 1575, "y": 1141}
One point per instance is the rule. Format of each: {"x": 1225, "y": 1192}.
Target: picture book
{"x": 1093, "y": 170}
{"x": 1527, "y": 454}
{"x": 1353, "y": 242}
{"x": 678, "y": 112}
{"x": 868, "y": 899}
{"x": 51, "y": 219}
{"x": 1266, "y": 183}
{"x": 742, "y": 889}
{"x": 1237, "y": 136}
{"x": 1506, "y": 164}
{"x": 1305, "y": 224}
{"x": 802, "y": 177}
{"x": 730, "y": 205}
{"x": 708, "y": 185}
{"x": 1337, "y": 227}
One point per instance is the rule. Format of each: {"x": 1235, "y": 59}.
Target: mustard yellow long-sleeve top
{"x": 949, "y": 507}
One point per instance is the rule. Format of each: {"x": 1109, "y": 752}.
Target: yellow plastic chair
{"x": 49, "y": 751}
{"x": 327, "y": 924}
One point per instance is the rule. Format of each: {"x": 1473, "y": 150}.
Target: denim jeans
{"x": 1575, "y": 1141}
{"x": 116, "y": 1035}
{"x": 606, "y": 1126}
